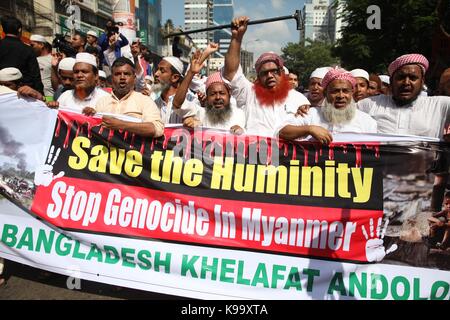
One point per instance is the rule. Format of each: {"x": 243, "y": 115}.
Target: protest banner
{"x": 209, "y": 215}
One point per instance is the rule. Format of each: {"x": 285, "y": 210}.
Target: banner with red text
{"x": 207, "y": 214}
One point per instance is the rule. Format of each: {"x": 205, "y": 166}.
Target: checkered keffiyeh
{"x": 215, "y": 78}
{"x": 338, "y": 74}
{"x": 413, "y": 58}
{"x": 269, "y": 57}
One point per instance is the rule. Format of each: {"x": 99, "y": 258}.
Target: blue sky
{"x": 259, "y": 38}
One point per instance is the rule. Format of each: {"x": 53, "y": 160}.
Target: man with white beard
{"x": 168, "y": 77}
{"x": 219, "y": 111}
{"x": 337, "y": 114}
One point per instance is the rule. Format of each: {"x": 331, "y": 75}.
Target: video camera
{"x": 63, "y": 46}
{"x": 110, "y": 30}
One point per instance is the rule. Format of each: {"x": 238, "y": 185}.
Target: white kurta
{"x": 68, "y": 100}
{"x": 45, "y": 66}
{"x": 262, "y": 120}
{"x": 426, "y": 116}
{"x": 176, "y": 116}
{"x": 361, "y": 122}
{"x": 5, "y": 90}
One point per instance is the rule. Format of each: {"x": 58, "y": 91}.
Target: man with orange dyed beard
{"x": 267, "y": 100}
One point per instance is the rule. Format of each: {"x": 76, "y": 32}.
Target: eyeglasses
{"x": 265, "y": 73}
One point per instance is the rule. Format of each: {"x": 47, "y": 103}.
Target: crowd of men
{"x": 99, "y": 76}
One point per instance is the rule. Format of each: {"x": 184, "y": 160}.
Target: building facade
{"x": 337, "y": 20}
{"x": 93, "y": 15}
{"x": 51, "y": 17}
{"x": 185, "y": 44}
{"x": 323, "y": 20}
{"x": 198, "y": 14}
{"x": 148, "y": 24}
{"x": 223, "y": 14}
{"x": 247, "y": 65}
{"x": 215, "y": 64}
{"x": 23, "y": 10}
{"x": 316, "y": 16}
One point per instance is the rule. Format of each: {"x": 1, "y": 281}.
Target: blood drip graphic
{"x": 214, "y": 141}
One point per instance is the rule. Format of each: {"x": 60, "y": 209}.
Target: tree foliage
{"x": 304, "y": 59}
{"x": 407, "y": 26}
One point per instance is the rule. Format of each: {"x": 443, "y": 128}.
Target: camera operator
{"x": 111, "y": 43}
{"x": 63, "y": 47}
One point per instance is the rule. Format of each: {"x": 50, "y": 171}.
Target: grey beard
{"x": 338, "y": 116}
{"x": 218, "y": 116}
{"x": 160, "y": 87}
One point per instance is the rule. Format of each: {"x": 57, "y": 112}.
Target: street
{"x": 26, "y": 283}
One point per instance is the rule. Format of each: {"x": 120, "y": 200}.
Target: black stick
{"x": 297, "y": 16}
